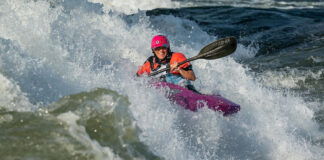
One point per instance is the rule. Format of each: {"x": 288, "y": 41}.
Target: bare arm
{"x": 190, "y": 75}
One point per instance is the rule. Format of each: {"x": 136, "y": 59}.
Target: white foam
{"x": 86, "y": 50}
{"x": 133, "y": 6}
{"x": 288, "y": 78}
{"x": 270, "y": 115}
{"x": 11, "y": 97}
{"x": 28, "y": 23}
{"x": 243, "y": 53}
{"x": 79, "y": 133}
{"x": 316, "y": 59}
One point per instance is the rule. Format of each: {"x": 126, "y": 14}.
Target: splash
{"x": 131, "y": 7}
{"x": 50, "y": 51}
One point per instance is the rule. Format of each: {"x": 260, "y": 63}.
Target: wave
{"x": 88, "y": 125}
{"x": 11, "y": 96}
{"x": 54, "y": 53}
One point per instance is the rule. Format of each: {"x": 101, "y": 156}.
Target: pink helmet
{"x": 160, "y": 41}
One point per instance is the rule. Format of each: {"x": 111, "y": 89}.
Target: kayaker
{"x": 162, "y": 58}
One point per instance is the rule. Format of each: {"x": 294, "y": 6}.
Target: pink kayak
{"x": 193, "y": 101}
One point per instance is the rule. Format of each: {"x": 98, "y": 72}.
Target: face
{"x": 161, "y": 52}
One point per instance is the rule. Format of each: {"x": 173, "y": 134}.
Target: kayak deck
{"x": 193, "y": 101}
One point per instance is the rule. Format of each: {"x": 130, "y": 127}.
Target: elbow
{"x": 192, "y": 78}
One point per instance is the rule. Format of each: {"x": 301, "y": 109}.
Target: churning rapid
{"x": 68, "y": 88}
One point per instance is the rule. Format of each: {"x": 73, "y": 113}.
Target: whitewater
{"x": 68, "y": 88}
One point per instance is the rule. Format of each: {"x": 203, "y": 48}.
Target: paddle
{"x": 218, "y": 49}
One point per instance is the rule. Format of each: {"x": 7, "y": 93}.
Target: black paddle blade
{"x": 218, "y": 49}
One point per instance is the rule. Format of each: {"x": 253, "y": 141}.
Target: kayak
{"x": 193, "y": 101}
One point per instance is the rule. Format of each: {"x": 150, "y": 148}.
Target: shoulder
{"x": 149, "y": 60}
{"x": 146, "y": 67}
{"x": 178, "y": 54}
{"x": 178, "y": 57}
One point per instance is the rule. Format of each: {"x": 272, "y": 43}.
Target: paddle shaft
{"x": 183, "y": 62}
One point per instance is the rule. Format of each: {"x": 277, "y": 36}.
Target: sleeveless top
{"x": 153, "y": 64}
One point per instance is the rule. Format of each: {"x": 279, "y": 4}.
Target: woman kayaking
{"x": 182, "y": 75}
{"x": 162, "y": 58}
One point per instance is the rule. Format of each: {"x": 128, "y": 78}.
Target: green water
{"x": 88, "y": 125}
